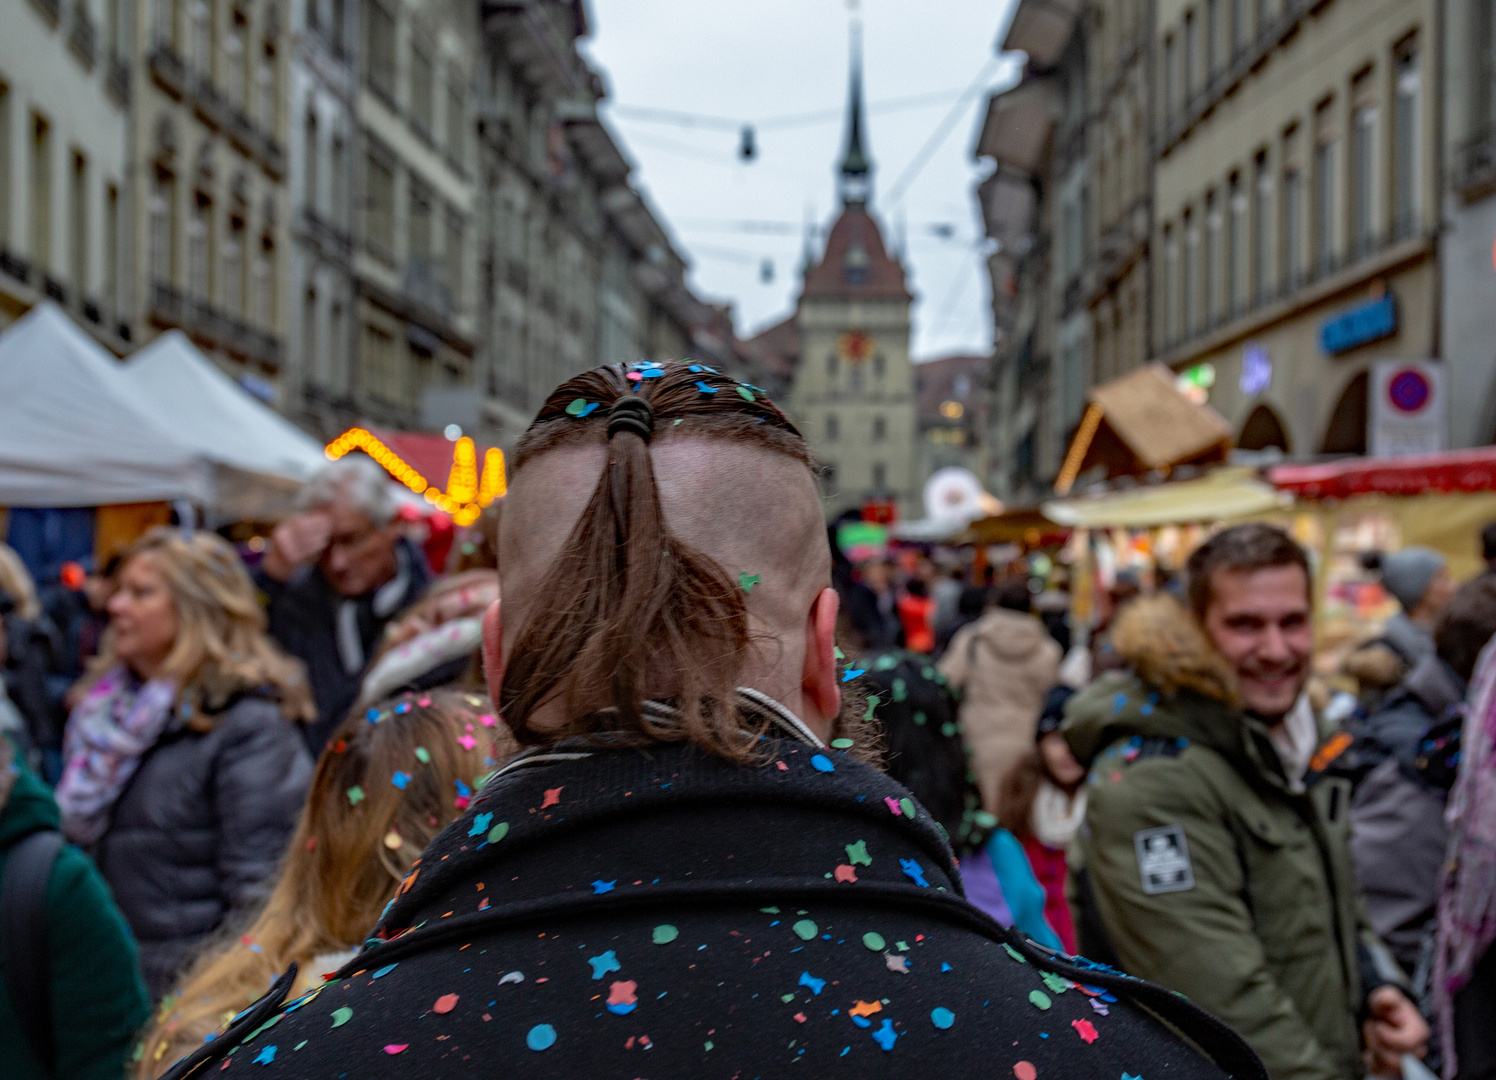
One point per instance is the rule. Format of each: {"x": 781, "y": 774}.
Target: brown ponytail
{"x": 625, "y": 601}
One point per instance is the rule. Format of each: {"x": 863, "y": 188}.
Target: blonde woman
{"x": 185, "y": 765}
{"x": 389, "y": 780}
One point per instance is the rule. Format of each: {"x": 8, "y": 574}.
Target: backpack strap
{"x": 23, "y": 937}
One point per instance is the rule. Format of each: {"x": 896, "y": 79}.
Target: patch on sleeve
{"x": 1164, "y": 860}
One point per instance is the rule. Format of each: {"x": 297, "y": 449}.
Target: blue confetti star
{"x": 914, "y": 872}
{"x": 400, "y": 779}
{"x": 480, "y": 824}
{"x": 605, "y": 963}
{"x": 705, "y": 389}
{"x": 852, "y": 673}
{"x": 600, "y": 887}
{"x": 266, "y": 1056}
{"x": 886, "y": 1035}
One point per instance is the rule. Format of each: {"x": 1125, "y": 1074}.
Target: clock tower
{"x": 852, "y": 393}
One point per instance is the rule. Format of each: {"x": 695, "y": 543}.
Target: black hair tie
{"x": 631, "y": 413}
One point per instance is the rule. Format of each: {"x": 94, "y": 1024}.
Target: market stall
{"x": 260, "y": 458}
{"x": 84, "y": 456}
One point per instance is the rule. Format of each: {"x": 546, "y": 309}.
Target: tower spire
{"x": 856, "y": 170}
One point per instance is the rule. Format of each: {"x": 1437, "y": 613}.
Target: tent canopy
{"x": 217, "y": 418}
{"x": 74, "y": 431}
{"x": 1223, "y": 495}
{"x": 1456, "y": 470}
{"x": 1140, "y": 423}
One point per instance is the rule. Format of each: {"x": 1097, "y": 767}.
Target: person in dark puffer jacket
{"x": 96, "y": 1000}
{"x": 694, "y": 871}
{"x": 185, "y": 766}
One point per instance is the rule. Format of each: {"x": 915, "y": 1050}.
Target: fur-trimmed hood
{"x": 1177, "y": 686}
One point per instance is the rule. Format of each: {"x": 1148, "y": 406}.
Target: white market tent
{"x": 261, "y": 458}
{"x": 74, "y": 431}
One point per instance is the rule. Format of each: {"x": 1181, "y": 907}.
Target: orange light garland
{"x": 466, "y": 495}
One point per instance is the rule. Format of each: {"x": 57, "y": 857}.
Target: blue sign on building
{"x": 1362, "y": 324}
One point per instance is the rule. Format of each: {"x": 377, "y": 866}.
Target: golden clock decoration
{"x": 855, "y": 346}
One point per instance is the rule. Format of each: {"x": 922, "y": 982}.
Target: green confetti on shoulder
{"x": 1015, "y": 954}
{"x": 857, "y": 854}
{"x": 498, "y": 832}
{"x": 805, "y": 929}
{"x": 664, "y": 934}
{"x": 874, "y": 941}
{"x": 1039, "y": 999}
{"x": 341, "y": 1016}
{"x": 769, "y": 910}
{"x": 1056, "y": 984}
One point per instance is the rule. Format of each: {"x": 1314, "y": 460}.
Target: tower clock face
{"x": 855, "y": 346}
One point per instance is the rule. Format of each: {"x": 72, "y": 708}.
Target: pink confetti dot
{"x": 396, "y": 1048}
{"x": 445, "y": 1004}
{"x": 1025, "y": 1070}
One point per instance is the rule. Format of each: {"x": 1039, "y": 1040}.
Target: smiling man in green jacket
{"x": 1213, "y": 860}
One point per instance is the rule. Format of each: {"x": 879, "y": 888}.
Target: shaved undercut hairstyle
{"x": 626, "y": 600}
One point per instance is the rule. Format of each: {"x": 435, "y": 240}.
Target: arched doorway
{"x": 1262, "y": 431}
{"x": 1346, "y": 433}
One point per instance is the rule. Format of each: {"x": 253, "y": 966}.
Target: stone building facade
{"x": 1296, "y": 192}
{"x": 321, "y": 286}
{"x": 1035, "y": 207}
{"x": 64, "y": 173}
{"x": 841, "y": 361}
{"x": 207, "y": 131}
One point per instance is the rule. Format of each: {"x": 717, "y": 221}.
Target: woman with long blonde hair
{"x": 184, "y": 760}
{"x": 388, "y": 781}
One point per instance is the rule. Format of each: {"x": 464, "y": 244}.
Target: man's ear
{"x": 493, "y": 650}
{"x": 818, "y": 681}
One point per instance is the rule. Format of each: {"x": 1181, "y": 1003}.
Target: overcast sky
{"x": 753, "y": 62}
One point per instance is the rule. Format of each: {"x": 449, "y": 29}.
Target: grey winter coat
{"x": 1398, "y": 835}
{"x": 200, "y": 827}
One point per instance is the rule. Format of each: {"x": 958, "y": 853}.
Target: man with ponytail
{"x": 695, "y": 868}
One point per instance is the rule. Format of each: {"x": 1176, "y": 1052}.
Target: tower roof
{"x": 855, "y": 263}
{"x": 856, "y": 168}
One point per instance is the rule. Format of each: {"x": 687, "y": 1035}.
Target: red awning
{"x": 1456, "y": 470}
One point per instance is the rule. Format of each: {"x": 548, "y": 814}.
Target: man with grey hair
{"x": 334, "y": 575}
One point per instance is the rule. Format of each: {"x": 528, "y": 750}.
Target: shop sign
{"x": 1409, "y": 414}
{"x": 1256, "y": 369}
{"x": 1364, "y": 323}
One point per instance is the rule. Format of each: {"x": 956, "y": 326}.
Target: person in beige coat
{"x": 1003, "y": 664}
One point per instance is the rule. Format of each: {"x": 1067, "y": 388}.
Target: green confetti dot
{"x": 707, "y": 1045}
{"x": 920, "y": 718}
{"x": 1039, "y": 999}
{"x": 299, "y": 1045}
{"x": 900, "y": 690}
{"x": 805, "y": 929}
{"x": 769, "y": 910}
{"x": 745, "y": 393}
{"x": 786, "y": 998}
{"x": 498, "y": 832}
{"x": 874, "y": 941}
{"x": 842, "y": 744}
{"x": 664, "y": 934}
{"x": 907, "y": 805}
{"x": 423, "y": 755}
{"x": 886, "y": 663}
{"x": 948, "y": 729}
{"x": 341, "y": 1016}
{"x": 576, "y": 407}
{"x": 355, "y": 795}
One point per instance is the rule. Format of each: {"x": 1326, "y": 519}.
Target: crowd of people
{"x": 702, "y": 795}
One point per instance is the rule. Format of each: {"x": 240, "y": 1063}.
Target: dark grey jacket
{"x": 1398, "y": 835}
{"x": 200, "y": 828}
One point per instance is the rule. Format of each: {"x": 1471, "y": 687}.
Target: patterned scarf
{"x": 1467, "y": 896}
{"x": 107, "y": 734}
